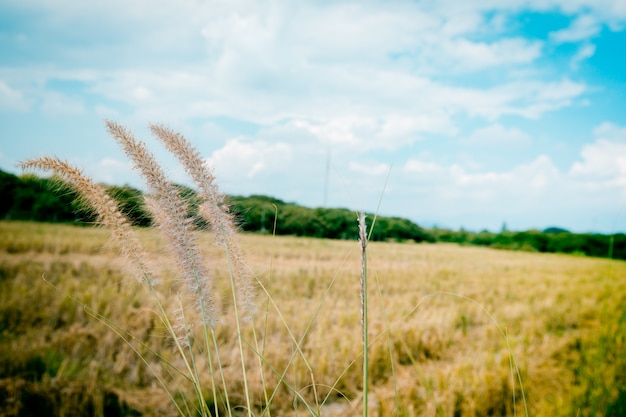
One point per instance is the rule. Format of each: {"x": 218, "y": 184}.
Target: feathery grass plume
{"x": 364, "y": 323}
{"x": 170, "y": 216}
{"x": 169, "y": 211}
{"x": 214, "y": 209}
{"x": 189, "y": 259}
{"x": 106, "y": 208}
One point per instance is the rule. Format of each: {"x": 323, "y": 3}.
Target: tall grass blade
{"x": 364, "y": 323}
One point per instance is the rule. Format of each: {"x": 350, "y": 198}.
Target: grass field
{"x": 447, "y": 326}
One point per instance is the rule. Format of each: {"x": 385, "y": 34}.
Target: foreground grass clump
{"x": 191, "y": 330}
{"x": 564, "y": 318}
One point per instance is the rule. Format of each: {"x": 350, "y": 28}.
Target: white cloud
{"x": 338, "y": 131}
{"x": 610, "y": 131}
{"x": 57, "y": 104}
{"x": 108, "y": 170}
{"x": 581, "y": 29}
{"x": 584, "y": 52}
{"x": 462, "y": 23}
{"x": 239, "y": 159}
{"x": 420, "y": 167}
{"x": 537, "y": 176}
{"x": 540, "y": 175}
{"x": 370, "y": 168}
{"x": 366, "y": 133}
{"x": 467, "y": 55}
{"x": 603, "y": 161}
{"x": 498, "y": 136}
{"x": 141, "y": 93}
{"x": 11, "y": 99}
{"x": 529, "y": 99}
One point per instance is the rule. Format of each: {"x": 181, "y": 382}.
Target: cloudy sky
{"x": 456, "y": 113}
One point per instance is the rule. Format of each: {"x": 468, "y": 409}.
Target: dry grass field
{"x": 453, "y": 330}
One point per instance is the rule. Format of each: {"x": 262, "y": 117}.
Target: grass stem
{"x": 364, "y": 323}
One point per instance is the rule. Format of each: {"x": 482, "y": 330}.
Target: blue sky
{"x": 479, "y": 113}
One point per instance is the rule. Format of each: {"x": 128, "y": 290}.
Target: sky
{"x": 454, "y": 113}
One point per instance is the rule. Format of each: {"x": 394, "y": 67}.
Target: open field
{"x": 453, "y": 319}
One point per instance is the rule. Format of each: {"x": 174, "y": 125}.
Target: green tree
{"x": 8, "y": 185}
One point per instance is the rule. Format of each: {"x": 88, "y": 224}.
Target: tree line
{"x": 28, "y": 197}
{"x": 550, "y": 240}
{"x": 259, "y": 213}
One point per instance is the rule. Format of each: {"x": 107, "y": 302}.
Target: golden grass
{"x": 564, "y": 317}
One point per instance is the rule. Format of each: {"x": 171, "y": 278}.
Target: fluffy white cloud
{"x": 338, "y": 131}
{"x": 603, "y": 161}
{"x": 238, "y": 159}
{"x": 364, "y": 133}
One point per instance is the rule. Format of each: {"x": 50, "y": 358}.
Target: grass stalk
{"x": 265, "y": 323}
{"x": 364, "y": 318}
{"x": 239, "y": 333}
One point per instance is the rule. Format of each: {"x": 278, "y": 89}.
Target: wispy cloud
{"x": 586, "y": 51}
{"x": 582, "y": 28}
{"x": 12, "y": 99}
